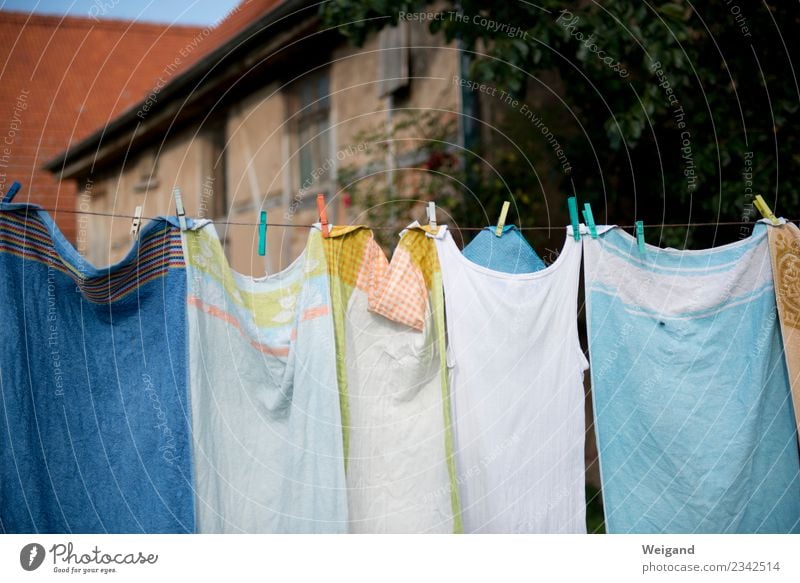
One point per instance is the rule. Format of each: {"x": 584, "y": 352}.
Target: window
{"x": 310, "y": 105}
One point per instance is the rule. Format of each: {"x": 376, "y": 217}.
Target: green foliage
{"x": 707, "y": 87}
{"x": 390, "y": 193}
{"x": 595, "y": 519}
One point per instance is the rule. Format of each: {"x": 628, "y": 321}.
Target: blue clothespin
{"x": 588, "y": 217}
{"x": 12, "y": 191}
{"x": 176, "y": 193}
{"x": 262, "y": 234}
{"x": 640, "y": 235}
{"x": 501, "y": 222}
{"x": 572, "y": 204}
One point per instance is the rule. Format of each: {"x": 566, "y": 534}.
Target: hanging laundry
{"x": 94, "y": 434}
{"x": 265, "y": 407}
{"x": 784, "y": 247}
{"x": 691, "y": 397}
{"x": 510, "y": 253}
{"x": 394, "y": 396}
{"x": 517, "y": 375}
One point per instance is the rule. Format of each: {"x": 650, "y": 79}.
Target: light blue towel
{"x": 691, "y": 396}
{"x": 510, "y": 253}
{"x": 94, "y": 430}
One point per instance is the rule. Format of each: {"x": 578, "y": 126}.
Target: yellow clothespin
{"x": 501, "y": 222}
{"x": 137, "y": 220}
{"x": 765, "y": 211}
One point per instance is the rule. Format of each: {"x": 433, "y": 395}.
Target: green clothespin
{"x": 764, "y": 209}
{"x": 501, "y": 222}
{"x": 588, "y": 217}
{"x": 572, "y": 203}
{"x": 640, "y": 235}
{"x": 262, "y": 234}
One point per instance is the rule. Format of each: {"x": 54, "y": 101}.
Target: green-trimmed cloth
{"x": 389, "y": 328}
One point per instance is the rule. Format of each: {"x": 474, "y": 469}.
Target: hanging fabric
{"x": 691, "y": 397}
{"x": 393, "y": 395}
{"x": 510, "y": 253}
{"x": 94, "y": 435}
{"x": 517, "y": 375}
{"x": 265, "y": 407}
{"x": 784, "y": 247}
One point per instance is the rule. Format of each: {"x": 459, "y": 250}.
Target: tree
{"x": 669, "y": 112}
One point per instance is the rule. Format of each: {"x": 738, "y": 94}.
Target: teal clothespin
{"x": 640, "y": 235}
{"x": 588, "y": 217}
{"x": 573, "y": 216}
{"x": 176, "y": 193}
{"x": 501, "y": 222}
{"x": 12, "y": 191}
{"x": 262, "y": 234}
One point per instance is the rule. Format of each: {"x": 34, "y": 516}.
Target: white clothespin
{"x": 176, "y": 193}
{"x": 432, "y": 214}
{"x": 137, "y": 221}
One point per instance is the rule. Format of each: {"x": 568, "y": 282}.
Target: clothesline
{"x": 307, "y": 226}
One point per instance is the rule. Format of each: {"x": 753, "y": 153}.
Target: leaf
{"x": 673, "y": 11}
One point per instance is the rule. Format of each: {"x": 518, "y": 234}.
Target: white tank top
{"x": 516, "y": 369}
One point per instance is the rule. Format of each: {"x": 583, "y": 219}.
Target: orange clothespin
{"x": 323, "y": 214}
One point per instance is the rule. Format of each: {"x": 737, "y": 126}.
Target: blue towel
{"x": 510, "y": 253}
{"x": 94, "y": 413}
{"x": 691, "y": 395}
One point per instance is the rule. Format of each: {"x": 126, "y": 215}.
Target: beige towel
{"x": 784, "y": 247}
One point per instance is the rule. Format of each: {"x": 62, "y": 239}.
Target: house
{"x": 64, "y": 78}
{"x": 260, "y": 115}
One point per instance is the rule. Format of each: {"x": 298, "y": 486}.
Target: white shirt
{"x": 517, "y": 381}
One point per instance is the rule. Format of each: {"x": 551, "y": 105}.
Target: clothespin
{"x": 764, "y": 209}
{"x": 572, "y": 204}
{"x": 136, "y": 222}
{"x": 432, "y": 214}
{"x": 501, "y": 222}
{"x": 176, "y": 192}
{"x": 262, "y": 234}
{"x": 12, "y": 191}
{"x": 323, "y": 214}
{"x": 588, "y": 218}
{"x": 640, "y": 235}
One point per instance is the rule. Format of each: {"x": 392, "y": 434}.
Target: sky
{"x": 196, "y": 12}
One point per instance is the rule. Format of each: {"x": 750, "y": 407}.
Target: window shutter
{"x": 393, "y": 59}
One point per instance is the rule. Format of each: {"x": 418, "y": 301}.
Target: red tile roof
{"x": 64, "y": 78}
{"x": 61, "y": 78}
{"x": 237, "y": 20}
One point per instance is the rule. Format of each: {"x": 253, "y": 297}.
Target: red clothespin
{"x": 323, "y": 214}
